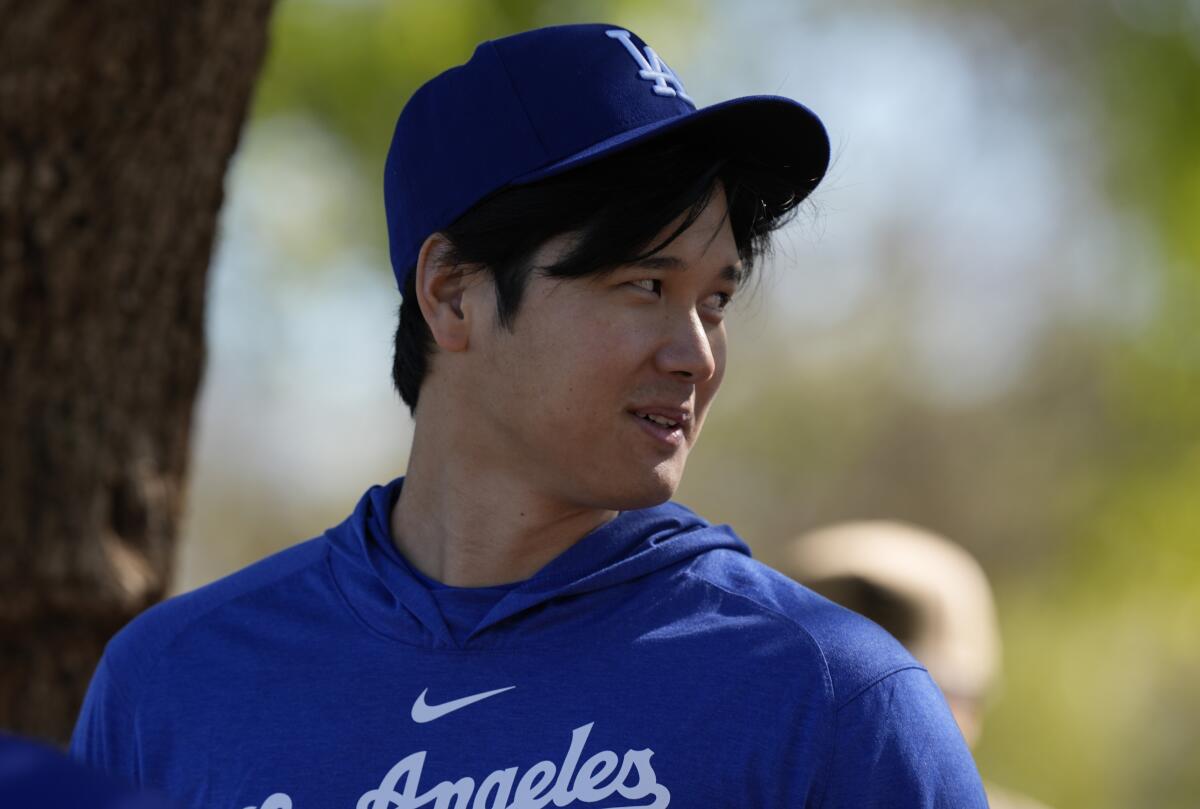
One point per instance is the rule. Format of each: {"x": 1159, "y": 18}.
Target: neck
{"x": 468, "y": 523}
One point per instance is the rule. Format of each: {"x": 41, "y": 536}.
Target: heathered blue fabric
{"x": 652, "y": 664}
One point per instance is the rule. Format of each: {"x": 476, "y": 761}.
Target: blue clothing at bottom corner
{"x": 36, "y": 776}
{"x": 652, "y": 664}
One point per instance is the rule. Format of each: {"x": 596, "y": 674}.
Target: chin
{"x": 650, "y": 488}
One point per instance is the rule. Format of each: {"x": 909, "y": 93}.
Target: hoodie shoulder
{"x": 133, "y": 652}
{"x": 856, "y": 652}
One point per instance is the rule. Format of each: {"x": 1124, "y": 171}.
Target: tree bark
{"x": 117, "y": 120}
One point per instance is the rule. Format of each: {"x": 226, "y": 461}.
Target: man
{"x": 524, "y": 620}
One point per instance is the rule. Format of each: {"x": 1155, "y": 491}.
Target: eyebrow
{"x": 730, "y": 272}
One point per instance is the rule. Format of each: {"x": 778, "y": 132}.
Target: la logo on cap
{"x": 652, "y": 68}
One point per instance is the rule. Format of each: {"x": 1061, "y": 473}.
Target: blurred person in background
{"x": 525, "y": 617}
{"x": 927, "y": 592}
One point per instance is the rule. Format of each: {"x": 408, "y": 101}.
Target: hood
{"x": 383, "y": 589}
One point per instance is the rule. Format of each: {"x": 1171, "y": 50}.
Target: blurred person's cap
{"x": 924, "y": 589}
{"x": 536, "y": 104}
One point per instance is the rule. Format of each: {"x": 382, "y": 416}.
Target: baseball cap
{"x": 536, "y": 104}
{"x": 957, "y": 635}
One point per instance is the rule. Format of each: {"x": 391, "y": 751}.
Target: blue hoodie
{"x": 652, "y": 664}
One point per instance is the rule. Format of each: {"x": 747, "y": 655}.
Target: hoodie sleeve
{"x": 105, "y": 738}
{"x": 897, "y": 746}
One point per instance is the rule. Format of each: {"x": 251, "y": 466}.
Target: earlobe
{"x": 440, "y": 285}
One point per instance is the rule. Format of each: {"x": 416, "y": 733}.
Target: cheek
{"x": 575, "y": 367}
{"x": 590, "y": 371}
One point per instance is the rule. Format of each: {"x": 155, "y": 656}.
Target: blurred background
{"x": 985, "y": 322}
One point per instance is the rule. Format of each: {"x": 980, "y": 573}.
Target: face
{"x": 600, "y": 390}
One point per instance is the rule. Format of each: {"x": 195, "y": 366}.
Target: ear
{"x": 440, "y": 287}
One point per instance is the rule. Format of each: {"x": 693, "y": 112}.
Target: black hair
{"x": 617, "y": 205}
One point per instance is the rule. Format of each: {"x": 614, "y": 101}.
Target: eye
{"x": 649, "y": 284}
{"x": 718, "y": 301}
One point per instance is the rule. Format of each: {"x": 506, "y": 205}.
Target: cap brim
{"x": 770, "y": 132}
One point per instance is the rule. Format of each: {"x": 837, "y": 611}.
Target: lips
{"x": 666, "y": 425}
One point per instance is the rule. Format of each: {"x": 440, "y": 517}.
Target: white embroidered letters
{"x": 596, "y": 781}
{"x": 652, "y": 68}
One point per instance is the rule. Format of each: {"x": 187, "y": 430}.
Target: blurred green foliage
{"x": 1079, "y": 488}
{"x": 1101, "y": 707}
{"x": 352, "y": 65}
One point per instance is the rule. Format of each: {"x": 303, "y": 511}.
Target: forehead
{"x": 729, "y": 271}
{"x": 708, "y": 241}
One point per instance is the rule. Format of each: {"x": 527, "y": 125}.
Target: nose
{"x": 688, "y": 351}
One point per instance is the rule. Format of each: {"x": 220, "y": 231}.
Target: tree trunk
{"x": 117, "y": 120}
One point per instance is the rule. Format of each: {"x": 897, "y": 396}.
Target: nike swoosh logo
{"x": 423, "y": 712}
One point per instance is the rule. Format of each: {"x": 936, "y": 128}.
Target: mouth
{"x": 667, "y": 426}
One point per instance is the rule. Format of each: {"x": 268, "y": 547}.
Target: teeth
{"x": 660, "y": 420}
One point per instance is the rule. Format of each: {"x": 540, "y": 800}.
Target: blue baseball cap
{"x": 540, "y": 103}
